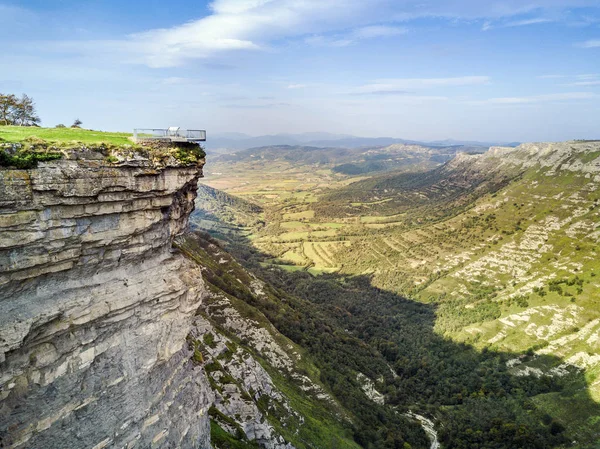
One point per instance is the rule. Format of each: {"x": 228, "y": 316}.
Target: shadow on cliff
{"x": 476, "y": 398}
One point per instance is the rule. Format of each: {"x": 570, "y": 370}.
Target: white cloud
{"x": 374, "y": 31}
{"x": 398, "y": 86}
{"x": 478, "y": 9}
{"x": 296, "y": 86}
{"x": 10, "y": 13}
{"x": 177, "y": 80}
{"x": 16, "y": 21}
{"x": 257, "y": 24}
{"x": 526, "y": 22}
{"x": 588, "y": 76}
{"x": 488, "y": 25}
{"x": 587, "y": 83}
{"x": 585, "y": 79}
{"x": 244, "y": 25}
{"x": 594, "y": 43}
{"x": 362, "y": 33}
{"x": 328, "y": 41}
{"x": 568, "y": 96}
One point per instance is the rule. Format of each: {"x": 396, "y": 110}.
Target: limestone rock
{"x": 95, "y": 306}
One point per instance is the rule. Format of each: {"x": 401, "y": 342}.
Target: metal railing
{"x": 172, "y": 134}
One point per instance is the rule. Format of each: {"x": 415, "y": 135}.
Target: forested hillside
{"x": 476, "y": 282}
{"x": 316, "y": 397}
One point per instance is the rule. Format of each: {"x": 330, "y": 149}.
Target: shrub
{"x": 25, "y": 159}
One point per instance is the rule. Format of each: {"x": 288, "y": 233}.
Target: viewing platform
{"x": 172, "y": 134}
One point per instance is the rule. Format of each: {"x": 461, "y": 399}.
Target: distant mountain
{"x": 343, "y": 160}
{"x": 230, "y": 142}
{"x": 452, "y": 142}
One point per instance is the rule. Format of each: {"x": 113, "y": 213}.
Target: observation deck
{"x": 172, "y": 134}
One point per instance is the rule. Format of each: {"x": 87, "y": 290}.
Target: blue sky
{"x": 419, "y": 69}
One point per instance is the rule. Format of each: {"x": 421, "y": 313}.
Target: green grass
{"x": 62, "y": 135}
{"x": 223, "y": 440}
{"x": 319, "y": 425}
{"x": 574, "y": 411}
{"x": 308, "y": 214}
{"x": 381, "y": 218}
{"x": 289, "y": 268}
{"x": 44, "y": 144}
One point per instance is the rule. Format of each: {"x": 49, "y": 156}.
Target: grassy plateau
{"x": 62, "y": 135}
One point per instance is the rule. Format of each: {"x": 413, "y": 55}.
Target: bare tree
{"x": 8, "y": 104}
{"x": 77, "y": 123}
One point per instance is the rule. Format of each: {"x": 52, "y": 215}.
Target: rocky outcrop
{"x": 95, "y": 306}
{"x": 242, "y": 387}
{"x": 575, "y": 156}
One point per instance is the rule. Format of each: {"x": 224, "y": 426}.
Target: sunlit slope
{"x": 426, "y": 196}
{"x": 518, "y": 269}
{"x": 505, "y": 245}
{"x": 488, "y": 236}
{"x": 268, "y": 175}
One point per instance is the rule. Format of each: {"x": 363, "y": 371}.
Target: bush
{"x": 25, "y": 159}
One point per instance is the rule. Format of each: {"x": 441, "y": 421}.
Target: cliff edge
{"x": 95, "y": 306}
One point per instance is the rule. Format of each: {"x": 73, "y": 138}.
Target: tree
{"x": 25, "y": 113}
{"x": 18, "y": 111}
{"x": 8, "y": 103}
{"x": 77, "y": 123}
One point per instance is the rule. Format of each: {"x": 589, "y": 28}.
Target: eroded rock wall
{"x": 95, "y": 306}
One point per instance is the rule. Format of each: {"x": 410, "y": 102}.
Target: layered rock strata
{"x": 95, "y": 306}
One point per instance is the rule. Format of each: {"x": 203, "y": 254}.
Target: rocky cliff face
{"x": 575, "y": 156}
{"x": 95, "y": 306}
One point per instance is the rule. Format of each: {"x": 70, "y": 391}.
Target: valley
{"x": 500, "y": 248}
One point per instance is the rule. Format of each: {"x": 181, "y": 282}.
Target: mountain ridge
{"x": 232, "y": 142}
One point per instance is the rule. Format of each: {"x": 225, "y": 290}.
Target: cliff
{"x": 95, "y": 306}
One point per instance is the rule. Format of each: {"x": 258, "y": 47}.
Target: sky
{"x": 503, "y": 70}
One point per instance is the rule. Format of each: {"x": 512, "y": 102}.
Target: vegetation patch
{"x": 24, "y": 147}
{"x": 25, "y": 159}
